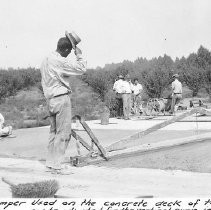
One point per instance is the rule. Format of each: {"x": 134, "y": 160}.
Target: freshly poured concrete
{"x": 32, "y": 142}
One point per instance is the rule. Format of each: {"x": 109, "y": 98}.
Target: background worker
{"x": 137, "y": 90}
{"x": 118, "y": 88}
{"x": 176, "y": 93}
{"x": 126, "y": 97}
{"x": 4, "y": 130}
{"x": 55, "y": 70}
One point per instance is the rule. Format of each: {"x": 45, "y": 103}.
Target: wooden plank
{"x": 93, "y": 138}
{"x": 153, "y": 147}
{"x": 136, "y": 138}
{"x": 197, "y": 121}
{"x": 80, "y": 139}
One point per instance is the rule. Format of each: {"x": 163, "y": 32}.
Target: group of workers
{"x": 129, "y": 95}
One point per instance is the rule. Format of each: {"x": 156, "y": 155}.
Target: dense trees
{"x": 195, "y": 70}
{"x": 155, "y": 74}
{"x": 13, "y": 80}
{"x": 158, "y": 76}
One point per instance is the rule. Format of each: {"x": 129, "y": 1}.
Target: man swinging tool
{"x": 55, "y": 71}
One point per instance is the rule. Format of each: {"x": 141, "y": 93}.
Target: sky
{"x": 111, "y": 30}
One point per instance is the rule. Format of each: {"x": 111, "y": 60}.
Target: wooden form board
{"x": 153, "y": 147}
{"x": 136, "y": 138}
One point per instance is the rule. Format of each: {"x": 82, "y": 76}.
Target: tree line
{"x": 13, "y": 80}
{"x": 154, "y": 74}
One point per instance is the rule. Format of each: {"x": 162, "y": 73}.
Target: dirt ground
{"x": 194, "y": 157}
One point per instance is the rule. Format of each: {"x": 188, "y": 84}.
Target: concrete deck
{"x": 32, "y": 142}
{"x": 93, "y": 181}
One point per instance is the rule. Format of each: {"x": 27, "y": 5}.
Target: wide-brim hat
{"x": 73, "y": 38}
{"x": 175, "y": 76}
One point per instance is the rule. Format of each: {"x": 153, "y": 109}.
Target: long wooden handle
{"x": 94, "y": 139}
{"x": 92, "y": 136}
{"x": 77, "y": 137}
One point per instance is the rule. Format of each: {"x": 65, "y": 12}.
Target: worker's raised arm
{"x": 69, "y": 67}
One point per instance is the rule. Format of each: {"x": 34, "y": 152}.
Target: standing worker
{"x": 137, "y": 90}
{"x": 118, "y": 88}
{"x": 126, "y": 97}
{"x": 55, "y": 71}
{"x": 176, "y": 93}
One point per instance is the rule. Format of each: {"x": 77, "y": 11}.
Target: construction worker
{"x": 176, "y": 93}
{"x": 56, "y": 70}
{"x": 4, "y": 130}
{"x": 137, "y": 90}
{"x": 126, "y": 97}
{"x": 118, "y": 88}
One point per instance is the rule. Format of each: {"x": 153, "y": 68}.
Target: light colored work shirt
{"x": 177, "y": 86}
{"x": 127, "y": 87}
{"x": 118, "y": 86}
{"x": 55, "y": 71}
{"x": 137, "y": 89}
{"x": 1, "y": 121}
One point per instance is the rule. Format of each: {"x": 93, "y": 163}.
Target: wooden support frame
{"x": 136, "y": 138}
{"x": 94, "y": 139}
{"x": 80, "y": 139}
{"x": 133, "y": 140}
